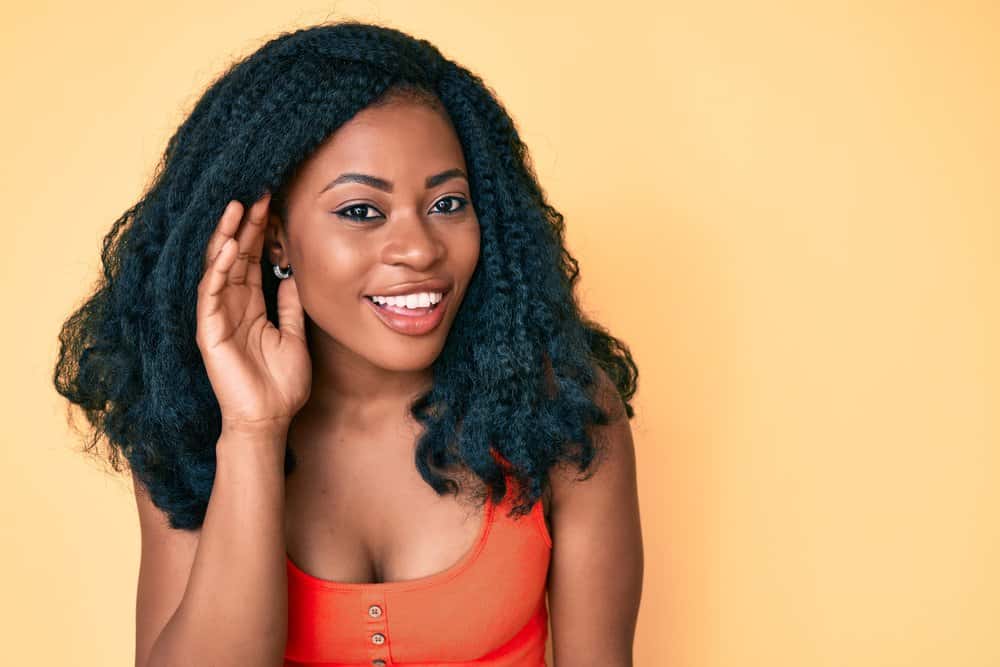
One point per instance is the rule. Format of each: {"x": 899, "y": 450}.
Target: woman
{"x": 338, "y": 346}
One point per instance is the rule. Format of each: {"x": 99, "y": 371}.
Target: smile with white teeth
{"x": 415, "y": 300}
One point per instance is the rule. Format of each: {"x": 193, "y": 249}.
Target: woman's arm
{"x": 219, "y": 596}
{"x": 595, "y": 576}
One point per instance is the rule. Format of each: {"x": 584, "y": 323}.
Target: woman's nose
{"x": 412, "y": 240}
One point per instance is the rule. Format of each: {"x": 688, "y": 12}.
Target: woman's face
{"x": 382, "y": 206}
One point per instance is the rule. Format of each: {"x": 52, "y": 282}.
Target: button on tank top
{"x": 488, "y": 609}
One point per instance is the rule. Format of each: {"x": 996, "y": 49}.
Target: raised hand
{"x": 261, "y": 374}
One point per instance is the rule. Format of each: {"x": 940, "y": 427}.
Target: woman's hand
{"x": 261, "y": 374}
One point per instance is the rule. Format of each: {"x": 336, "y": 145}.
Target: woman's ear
{"x": 275, "y": 240}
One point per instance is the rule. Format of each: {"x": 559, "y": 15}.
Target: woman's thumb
{"x": 291, "y": 318}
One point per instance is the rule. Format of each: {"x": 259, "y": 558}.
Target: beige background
{"x": 788, "y": 210}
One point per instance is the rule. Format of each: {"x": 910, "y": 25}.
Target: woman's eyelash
{"x": 461, "y": 200}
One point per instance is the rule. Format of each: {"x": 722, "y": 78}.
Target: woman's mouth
{"x": 411, "y": 321}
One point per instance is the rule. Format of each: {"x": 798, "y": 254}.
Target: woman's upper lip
{"x": 432, "y": 285}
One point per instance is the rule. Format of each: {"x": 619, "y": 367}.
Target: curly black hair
{"x": 521, "y": 369}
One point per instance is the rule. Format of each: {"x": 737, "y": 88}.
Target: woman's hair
{"x": 521, "y": 369}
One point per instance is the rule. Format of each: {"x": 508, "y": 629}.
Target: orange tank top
{"x": 488, "y": 609}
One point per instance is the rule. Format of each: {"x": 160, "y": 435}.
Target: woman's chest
{"x": 361, "y": 518}
{"x": 426, "y": 594}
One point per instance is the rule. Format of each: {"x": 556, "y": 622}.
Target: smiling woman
{"x": 370, "y": 458}
{"x": 387, "y": 226}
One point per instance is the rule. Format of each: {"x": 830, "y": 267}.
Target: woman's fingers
{"x": 291, "y": 316}
{"x": 232, "y": 254}
{"x": 250, "y": 237}
{"x": 215, "y": 280}
{"x": 228, "y": 223}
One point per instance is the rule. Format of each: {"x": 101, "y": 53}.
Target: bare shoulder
{"x": 155, "y": 525}
{"x": 167, "y": 556}
{"x": 614, "y": 467}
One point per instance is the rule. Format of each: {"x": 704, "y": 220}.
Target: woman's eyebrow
{"x": 382, "y": 184}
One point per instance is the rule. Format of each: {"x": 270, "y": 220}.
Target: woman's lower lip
{"x": 409, "y": 324}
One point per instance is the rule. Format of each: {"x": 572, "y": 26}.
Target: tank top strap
{"x": 500, "y": 458}
{"x": 537, "y": 511}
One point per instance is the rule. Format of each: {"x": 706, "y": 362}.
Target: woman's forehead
{"x": 394, "y": 141}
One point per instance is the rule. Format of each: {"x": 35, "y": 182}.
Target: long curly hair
{"x": 521, "y": 371}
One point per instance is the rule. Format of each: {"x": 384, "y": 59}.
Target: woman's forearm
{"x": 235, "y": 608}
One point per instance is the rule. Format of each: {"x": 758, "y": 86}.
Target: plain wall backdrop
{"x": 787, "y": 209}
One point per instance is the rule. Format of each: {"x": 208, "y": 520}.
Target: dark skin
{"x": 348, "y": 408}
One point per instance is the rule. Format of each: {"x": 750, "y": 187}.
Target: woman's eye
{"x": 346, "y": 212}
{"x": 462, "y": 203}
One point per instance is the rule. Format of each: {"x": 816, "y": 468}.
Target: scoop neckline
{"x": 434, "y": 579}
